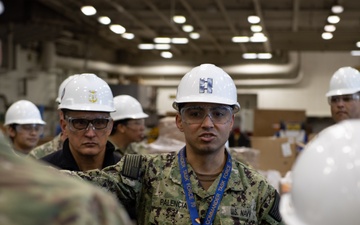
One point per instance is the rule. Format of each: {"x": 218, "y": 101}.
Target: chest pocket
{"x": 168, "y": 211}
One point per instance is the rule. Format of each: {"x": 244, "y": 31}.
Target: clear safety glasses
{"x": 38, "y": 128}
{"x": 344, "y": 98}
{"x": 84, "y": 124}
{"x": 197, "y": 114}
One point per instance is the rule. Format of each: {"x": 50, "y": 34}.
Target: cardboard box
{"x": 275, "y": 153}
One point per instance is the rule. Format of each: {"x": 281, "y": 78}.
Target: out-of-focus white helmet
{"x": 207, "y": 83}
{"x": 345, "y": 80}
{"x": 326, "y": 179}
{"x": 62, "y": 86}
{"x": 87, "y": 92}
{"x": 23, "y": 112}
{"x": 127, "y": 107}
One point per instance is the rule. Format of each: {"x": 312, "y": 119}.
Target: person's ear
{"x": 179, "y": 123}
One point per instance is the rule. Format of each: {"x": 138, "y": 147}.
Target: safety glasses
{"x": 84, "y": 124}
{"x": 197, "y": 114}
{"x": 344, "y": 98}
{"x": 38, "y": 128}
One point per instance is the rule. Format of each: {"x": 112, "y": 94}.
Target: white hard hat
{"x": 326, "y": 179}
{"x": 127, "y": 107}
{"x": 87, "y": 92}
{"x": 207, "y": 83}
{"x": 345, "y": 80}
{"x": 23, "y": 112}
{"x": 62, "y": 86}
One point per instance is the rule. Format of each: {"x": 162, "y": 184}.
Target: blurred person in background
{"x": 57, "y": 142}
{"x": 33, "y": 194}
{"x": 24, "y": 126}
{"x": 86, "y": 105}
{"x": 343, "y": 95}
{"x": 129, "y": 125}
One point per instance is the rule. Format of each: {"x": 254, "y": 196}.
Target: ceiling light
{"x": 326, "y": 35}
{"x": 264, "y": 55}
{"x": 333, "y": 19}
{"x": 128, "y": 36}
{"x": 256, "y": 28}
{"x": 104, "y": 20}
{"x": 249, "y": 56}
{"x": 162, "y": 46}
{"x": 146, "y": 46}
{"x": 179, "y": 19}
{"x": 166, "y": 55}
{"x": 358, "y": 44}
{"x": 240, "y": 39}
{"x": 187, "y": 28}
{"x": 355, "y": 53}
{"x": 337, "y": 9}
{"x": 117, "y": 29}
{"x": 1, "y": 7}
{"x": 253, "y": 19}
{"x": 179, "y": 40}
{"x": 88, "y": 10}
{"x": 258, "y": 37}
{"x": 194, "y": 35}
{"x": 162, "y": 40}
{"x": 329, "y": 28}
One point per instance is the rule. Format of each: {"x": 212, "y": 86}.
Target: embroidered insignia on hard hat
{"x": 206, "y": 85}
{"x": 92, "y": 97}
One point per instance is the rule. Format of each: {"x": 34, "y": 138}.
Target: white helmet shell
{"x": 87, "y": 92}
{"x": 127, "y": 107}
{"x": 23, "y": 112}
{"x": 326, "y": 179}
{"x": 62, "y": 87}
{"x": 207, "y": 83}
{"x": 345, "y": 80}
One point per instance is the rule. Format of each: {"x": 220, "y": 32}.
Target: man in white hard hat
{"x": 86, "y": 104}
{"x": 57, "y": 142}
{"x": 24, "y": 126}
{"x": 129, "y": 125}
{"x": 325, "y": 179}
{"x": 200, "y": 184}
{"x": 343, "y": 95}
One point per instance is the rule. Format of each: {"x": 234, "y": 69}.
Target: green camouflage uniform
{"x": 152, "y": 182}
{"x": 132, "y": 148}
{"x": 45, "y": 149}
{"x": 34, "y": 194}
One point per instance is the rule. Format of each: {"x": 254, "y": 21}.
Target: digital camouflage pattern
{"x": 154, "y": 186}
{"x": 34, "y": 194}
{"x": 45, "y": 149}
{"x": 132, "y": 148}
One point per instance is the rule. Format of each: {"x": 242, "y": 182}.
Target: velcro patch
{"x": 274, "y": 211}
{"x": 131, "y": 166}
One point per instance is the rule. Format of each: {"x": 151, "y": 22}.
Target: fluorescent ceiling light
{"x": 117, "y": 29}
{"x": 240, "y": 39}
{"x": 327, "y": 36}
{"x": 337, "y": 9}
{"x": 88, "y": 10}
{"x": 256, "y": 28}
{"x": 162, "y": 40}
{"x": 194, "y": 35}
{"x": 179, "y": 40}
{"x": 179, "y": 19}
{"x": 258, "y": 37}
{"x": 187, "y": 28}
{"x": 166, "y": 55}
{"x": 333, "y": 19}
{"x": 162, "y": 46}
{"x": 104, "y": 20}
{"x": 146, "y": 46}
{"x": 249, "y": 56}
{"x": 358, "y": 44}
{"x": 355, "y": 53}
{"x": 264, "y": 55}
{"x": 128, "y": 36}
{"x": 253, "y": 19}
{"x": 330, "y": 28}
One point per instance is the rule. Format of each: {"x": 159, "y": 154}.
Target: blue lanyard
{"x": 190, "y": 199}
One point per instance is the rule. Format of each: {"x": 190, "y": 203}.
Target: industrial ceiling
{"x": 289, "y": 25}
